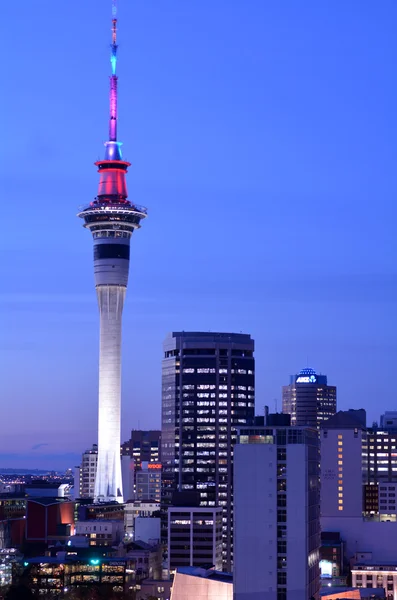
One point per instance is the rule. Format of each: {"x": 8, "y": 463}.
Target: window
{"x": 282, "y": 578}
{"x": 281, "y": 516}
{"x": 282, "y": 547}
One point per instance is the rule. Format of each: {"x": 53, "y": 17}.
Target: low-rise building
{"x": 372, "y": 576}
{"x": 101, "y": 532}
{"x": 154, "y": 588}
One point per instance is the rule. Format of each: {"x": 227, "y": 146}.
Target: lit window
{"x": 340, "y": 495}
{"x": 340, "y": 462}
{"x": 340, "y": 436}
{"x": 340, "y": 488}
{"x": 340, "y": 468}
{"x": 340, "y": 443}
{"x": 340, "y": 501}
{"x": 340, "y": 507}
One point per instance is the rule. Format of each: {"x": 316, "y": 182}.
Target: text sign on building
{"x": 310, "y": 379}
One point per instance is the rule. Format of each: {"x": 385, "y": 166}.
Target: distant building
{"x": 101, "y": 532}
{"x": 148, "y": 530}
{"x": 207, "y": 584}
{"x": 194, "y": 537}
{"x": 143, "y": 446}
{"x": 148, "y": 482}
{"x": 154, "y": 588}
{"x": 332, "y": 570}
{"x": 136, "y": 509}
{"x": 84, "y": 476}
{"x": 276, "y": 513}
{"x": 388, "y": 420}
{"x": 48, "y": 520}
{"x": 53, "y": 574}
{"x": 208, "y": 383}
{"x": 343, "y": 437}
{"x": 309, "y": 399}
{"x": 358, "y": 474}
{"x": 383, "y": 575}
{"x": 346, "y": 593}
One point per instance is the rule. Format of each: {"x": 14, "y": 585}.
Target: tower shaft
{"x": 108, "y": 483}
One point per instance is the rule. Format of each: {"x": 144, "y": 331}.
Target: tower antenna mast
{"x": 113, "y": 78}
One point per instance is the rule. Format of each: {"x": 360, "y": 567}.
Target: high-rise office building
{"x": 207, "y": 391}
{"x": 277, "y": 513}
{"x": 84, "y": 479}
{"x": 309, "y": 399}
{"x": 112, "y": 219}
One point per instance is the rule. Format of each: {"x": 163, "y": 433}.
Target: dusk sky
{"x": 262, "y": 136}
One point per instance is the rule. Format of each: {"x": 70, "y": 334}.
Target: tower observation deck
{"x": 112, "y": 219}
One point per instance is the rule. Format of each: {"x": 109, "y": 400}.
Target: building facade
{"x": 343, "y": 464}
{"x": 148, "y": 482}
{"x": 276, "y": 514}
{"x": 309, "y": 399}
{"x": 194, "y": 537}
{"x": 84, "y": 476}
{"x": 376, "y": 576}
{"x": 143, "y": 446}
{"x": 101, "y": 532}
{"x": 208, "y": 390}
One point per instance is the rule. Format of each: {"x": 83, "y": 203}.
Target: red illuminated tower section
{"x": 112, "y": 219}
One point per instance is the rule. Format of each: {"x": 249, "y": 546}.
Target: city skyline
{"x": 261, "y": 121}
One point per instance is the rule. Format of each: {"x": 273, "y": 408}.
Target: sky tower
{"x": 112, "y": 219}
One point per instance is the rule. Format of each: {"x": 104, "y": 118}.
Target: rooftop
{"x": 346, "y": 419}
{"x": 206, "y": 574}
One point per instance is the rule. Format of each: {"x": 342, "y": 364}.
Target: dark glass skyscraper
{"x": 207, "y": 391}
{"x": 309, "y": 399}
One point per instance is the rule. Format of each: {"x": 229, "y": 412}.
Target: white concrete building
{"x": 383, "y": 575}
{"x": 276, "y": 514}
{"x": 135, "y": 509}
{"x": 84, "y": 476}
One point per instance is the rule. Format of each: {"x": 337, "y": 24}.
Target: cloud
{"x": 37, "y": 446}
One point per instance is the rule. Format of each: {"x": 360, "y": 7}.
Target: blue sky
{"x": 262, "y": 137}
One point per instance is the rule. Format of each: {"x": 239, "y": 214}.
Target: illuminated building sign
{"x": 154, "y": 466}
{"x": 311, "y": 379}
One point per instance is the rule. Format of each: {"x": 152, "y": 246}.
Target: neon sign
{"x": 310, "y": 379}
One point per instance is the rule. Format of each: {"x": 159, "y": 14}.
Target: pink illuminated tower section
{"x": 112, "y": 219}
